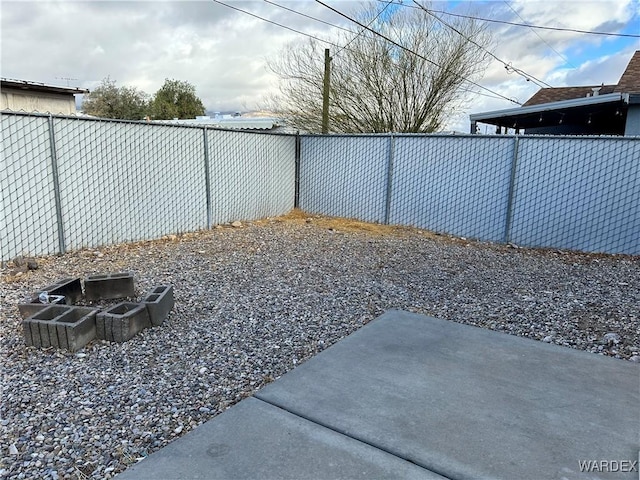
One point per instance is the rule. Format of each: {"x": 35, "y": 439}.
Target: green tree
{"x": 377, "y": 86}
{"x": 175, "y": 99}
{"x": 109, "y": 101}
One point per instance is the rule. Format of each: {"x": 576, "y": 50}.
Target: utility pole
{"x": 325, "y": 91}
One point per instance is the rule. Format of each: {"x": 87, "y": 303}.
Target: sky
{"x": 224, "y": 52}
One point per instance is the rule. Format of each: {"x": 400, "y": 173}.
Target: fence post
{"x": 56, "y": 186}
{"x": 511, "y": 191}
{"x": 387, "y": 206}
{"x": 206, "y": 175}
{"x": 296, "y": 200}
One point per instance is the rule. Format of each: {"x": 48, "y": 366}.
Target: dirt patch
{"x": 297, "y": 216}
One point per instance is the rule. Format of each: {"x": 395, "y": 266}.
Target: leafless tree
{"x": 377, "y": 86}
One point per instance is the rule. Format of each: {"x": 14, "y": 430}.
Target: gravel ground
{"x": 251, "y": 304}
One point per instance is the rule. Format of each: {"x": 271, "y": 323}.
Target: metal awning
{"x": 606, "y": 110}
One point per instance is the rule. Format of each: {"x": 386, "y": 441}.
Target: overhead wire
{"x": 328, "y": 42}
{"x": 565, "y": 59}
{"x": 493, "y": 94}
{"x": 375, "y": 32}
{"x": 508, "y": 66}
{"x": 541, "y": 27}
{"x": 368, "y": 25}
{"x": 308, "y": 16}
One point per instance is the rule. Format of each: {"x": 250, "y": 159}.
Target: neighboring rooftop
{"x": 629, "y": 83}
{"x": 576, "y": 110}
{"x": 630, "y": 80}
{"x": 39, "y": 87}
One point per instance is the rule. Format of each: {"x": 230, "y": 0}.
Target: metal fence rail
{"x": 575, "y": 193}
{"x": 69, "y": 183}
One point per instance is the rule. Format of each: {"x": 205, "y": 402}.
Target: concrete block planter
{"x": 122, "y": 322}
{"x": 110, "y": 285}
{"x": 65, "y": 327}
{"x": 159, "y": 302}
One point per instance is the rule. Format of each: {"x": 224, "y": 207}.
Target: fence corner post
{"x": 56, "y": 186}
{"x": 511, "y": 191}
{"x": 207, "y": 179}
{"x": 296, "y": 199}
{"x": 387, "y": 206}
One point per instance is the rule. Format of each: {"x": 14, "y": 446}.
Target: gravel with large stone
{"x": 255, "y": 300}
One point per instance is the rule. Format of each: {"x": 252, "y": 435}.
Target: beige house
{"x": 20, "y": 95}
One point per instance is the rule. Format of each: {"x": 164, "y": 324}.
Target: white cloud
{"x": 223, "y": 52}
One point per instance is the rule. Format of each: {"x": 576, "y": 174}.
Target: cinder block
{"x": 76, "y": 328}
{"x": 35, "y": 305}
{"x": 109, "y": 285}
{"x": 159, "y": 302}
{"x": 65, "y": 327}
{"x": 39, "y": 325}
{"x": 69, "y": 288}
{"x": 122, "y": 322}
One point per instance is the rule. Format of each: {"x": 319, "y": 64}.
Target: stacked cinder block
{"x": 57, "y": 323}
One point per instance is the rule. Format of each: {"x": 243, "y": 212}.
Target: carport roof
{"x": 553, "y": 113}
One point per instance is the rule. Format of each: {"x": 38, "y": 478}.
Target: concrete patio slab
{"x": 413, "y": 396}
{"x": 470, "y": 403}
{"x": 256, "y": 440}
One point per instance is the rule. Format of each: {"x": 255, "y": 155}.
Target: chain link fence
{"x": 574, "y": 193}
{"x": 70, "y": 183}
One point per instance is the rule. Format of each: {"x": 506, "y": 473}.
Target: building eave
{"x": 24, "y": 85}
{"x": 546, "y": 107}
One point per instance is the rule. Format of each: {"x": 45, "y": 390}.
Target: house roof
{"x": 39, "y": 87}
{"x": 630, "y": 79}
{"x": 602, "y": 107}
{"x": 560, "y": 94}
{"x": 629, "y": 83}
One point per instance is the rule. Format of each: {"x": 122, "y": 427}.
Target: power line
{"x": 411, "y": 51}
{"x": 495, "y": 94}
{"x": 308, "y": 16}
{"x": 277, "y": 24}
{"x": 538, "y": 35}
{"x": 509, "y": 67}
{"x": 368, "y": 25}
{"x": 557, "y": 29}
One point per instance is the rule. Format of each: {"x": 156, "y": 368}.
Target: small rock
{"x": 236, "y": 224}
{"x": 308, "y": 220}
{"x": 39, "y": 437}
{"x": 32, "y": 264}
{"x": 16, "y": 272}
{"x": 179, "y": 429}
{"x": 19, "y": 261}
{"x": 611, "y": 339}
{"x": 547, "y": 339}
{"x": 202, "y": 370}
{"x": 81, "y": 355}
{"x": 13, "y": 450}
{"x": 635, "y": 359}
{"x": 172, "y": 237}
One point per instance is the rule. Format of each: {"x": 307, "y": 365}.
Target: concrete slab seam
{"x": 361, "y": 440}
